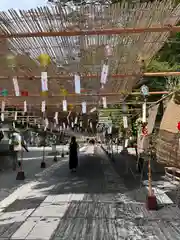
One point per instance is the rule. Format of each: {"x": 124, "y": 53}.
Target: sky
{"x": 21, "y": 4}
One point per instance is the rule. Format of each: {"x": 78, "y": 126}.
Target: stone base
{"x": 43, "y": 165}
{"x": 151, "y": 203}
{"x": 20, "y": 175}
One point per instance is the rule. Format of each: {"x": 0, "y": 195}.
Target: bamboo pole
{"x": 67, "y": 77}
{"x": 72, "y": 33}
{"x": 78, "y": 95}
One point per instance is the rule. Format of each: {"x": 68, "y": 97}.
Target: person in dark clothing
{"x": 73, "y": 155}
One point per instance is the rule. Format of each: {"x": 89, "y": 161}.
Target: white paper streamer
{"x": 104, "y": 102}
{"x": 64, "y": 125}
{"x": 16, "y": 86}
{"x": 43, "y": 106}
{"x": 44, "y": 82}
{"x": 80, "y": 124}
{"x": 64, "y": 105}
{"x": 125, "y": 122}
{"x": 144, "y": 112}
{"x": 84, "y": 107}
{"x": 72, "y": 124}
{"x": 77, "y": 83}
{"x": 25, "y": 106}
{"x": 104, "y": 74}
{"x": 60, "y": 128}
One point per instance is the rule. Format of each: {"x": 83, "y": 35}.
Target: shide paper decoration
{"x": 77, "y": 84}
{"x": 16, "y": 87}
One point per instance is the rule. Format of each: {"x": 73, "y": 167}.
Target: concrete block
{"x": 51, "y": 211}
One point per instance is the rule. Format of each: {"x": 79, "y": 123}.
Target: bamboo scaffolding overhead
{"x": 134, "y": 32}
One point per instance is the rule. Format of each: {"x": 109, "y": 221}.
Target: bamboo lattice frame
{"x": 82, "y": 53}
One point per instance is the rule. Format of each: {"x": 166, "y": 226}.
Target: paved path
{"x": 91, "y": 204}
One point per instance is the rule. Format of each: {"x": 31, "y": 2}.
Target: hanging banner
{"x": 16, "y": 87}
{"x": 64, "y": 105}
{"x": 104, "y": 102}
{"x": 25, "y": 106}
{"x": 44, "y": 82}
{"x": 77, "y": 84}
{"x": 83, "y": 107}
{"x": 43, "y": 106}
{"x": 104, "y": 74}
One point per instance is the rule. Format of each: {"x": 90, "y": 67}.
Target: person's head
{"x": 73, "y": 139}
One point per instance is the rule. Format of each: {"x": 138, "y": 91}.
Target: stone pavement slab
{"x": 91, "y": 204}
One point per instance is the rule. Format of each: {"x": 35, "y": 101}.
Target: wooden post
{"x": 149, "y": 178}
